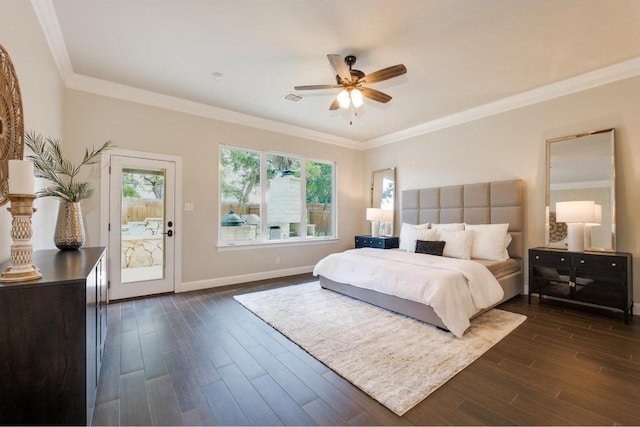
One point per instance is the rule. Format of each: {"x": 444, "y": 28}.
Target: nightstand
{"x": 380, "y": 242}
{"x": 603, "y": 279}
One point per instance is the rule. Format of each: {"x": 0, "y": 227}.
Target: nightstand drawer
{"x": 601, "y": 263}
{"x": 557, "y": 259}
{"x": 381, "y": 242}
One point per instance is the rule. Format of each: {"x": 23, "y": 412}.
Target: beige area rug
{"x": 396, "y": 360}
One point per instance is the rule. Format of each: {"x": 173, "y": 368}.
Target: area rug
{"x": 396, "y": 360}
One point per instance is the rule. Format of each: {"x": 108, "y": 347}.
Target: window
{"x": 274, "y": 197}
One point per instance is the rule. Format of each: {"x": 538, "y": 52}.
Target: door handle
{"x": 169, "y": 233}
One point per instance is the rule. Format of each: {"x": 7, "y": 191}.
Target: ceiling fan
{"x": 352, "y": 82}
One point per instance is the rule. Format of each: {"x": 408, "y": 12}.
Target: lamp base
{"x": 375, "y": 228}
{"x": 575, "y": 237}
{"x": 14, "y": 274}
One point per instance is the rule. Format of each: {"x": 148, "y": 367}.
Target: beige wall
{"x": 42, "y": 94}
{"x": 512, "y": 145}
{"x": 89, "y": 120}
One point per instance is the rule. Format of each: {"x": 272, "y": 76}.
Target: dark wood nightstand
{"x": 604, "y": 279}
{"x": 380, "y": 242}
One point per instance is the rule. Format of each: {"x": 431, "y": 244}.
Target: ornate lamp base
{"x": 22, "y": 268}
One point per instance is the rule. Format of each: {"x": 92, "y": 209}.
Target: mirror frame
{"x": 382, "y": 173}
{"x": 611, "y": 131}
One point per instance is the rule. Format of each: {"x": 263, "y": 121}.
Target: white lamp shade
{"x": 574, "y": 212}
{"x": 374, "y": 214}
{"x": 356, "y": 98}
{"x": 343, "y": 99}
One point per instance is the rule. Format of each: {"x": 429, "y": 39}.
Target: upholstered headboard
{"x": 487, "y": 203}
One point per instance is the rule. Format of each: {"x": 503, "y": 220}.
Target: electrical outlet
{"x": 188, "y": 207}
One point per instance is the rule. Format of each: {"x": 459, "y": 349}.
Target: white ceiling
{"x": 460, "y": 54}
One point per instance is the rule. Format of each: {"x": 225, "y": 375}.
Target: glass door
{"x": 141, "y": 224}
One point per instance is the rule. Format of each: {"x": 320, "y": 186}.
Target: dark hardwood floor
{"x": 200, "y": 358}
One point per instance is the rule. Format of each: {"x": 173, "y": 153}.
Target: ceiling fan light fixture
{"x": 344, "y": 99}
{"x": 356, "y": 98}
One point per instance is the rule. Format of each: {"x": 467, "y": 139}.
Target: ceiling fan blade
{"x": 376, "y": 95}
{"x": 338, "y": 64}
{"x": 385, "y": 74}
{"x": 334, "y": 105}
{"x": 310, "y": 87}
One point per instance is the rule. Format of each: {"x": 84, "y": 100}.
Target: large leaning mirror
{"x": 383, "y": 191}
{"x": 582, "y": 168}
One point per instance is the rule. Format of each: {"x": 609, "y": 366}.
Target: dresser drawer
{"x": 605, "y": 263}
{"x": 557, "y": 259}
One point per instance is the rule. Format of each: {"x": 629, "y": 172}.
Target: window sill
{"x": 270, "y": 243}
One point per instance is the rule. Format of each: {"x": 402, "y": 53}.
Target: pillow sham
{"x": 488, "y": 241}
{"x": 451, "y": 226}
{"x": 409, "y": 233}
{"x": 430, "y": 247}
{"x": 458, "y": 243}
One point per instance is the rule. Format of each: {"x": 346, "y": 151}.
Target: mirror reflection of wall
{"x": 383, "y": 187}
{"x": 580, "y": 168}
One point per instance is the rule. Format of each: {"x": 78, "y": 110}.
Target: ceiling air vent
{"x": 292, "y": 97}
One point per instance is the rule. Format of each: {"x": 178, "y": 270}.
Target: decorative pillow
{"x": 488, "y": 241}
{"x": 409, "y": 233}
{"x": 458, "y": 243}
{"x": 430, "y": 247}
{"x": 452, "y": 226}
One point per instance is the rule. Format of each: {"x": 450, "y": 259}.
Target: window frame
{"x": 264, "y": 195}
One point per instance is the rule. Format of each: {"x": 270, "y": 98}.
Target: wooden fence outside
{"x": 135, "y": 209}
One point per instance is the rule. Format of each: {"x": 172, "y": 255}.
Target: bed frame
{"x": 487, "y": 203}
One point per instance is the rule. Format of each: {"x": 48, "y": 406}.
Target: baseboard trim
{"x": 244, "y": 278}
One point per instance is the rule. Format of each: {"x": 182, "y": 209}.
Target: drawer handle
{"x": 613, "y": 264}
{"x": 537, "y": 257}
{"x": 581, "y": 261}
{"x": 562, "y": 259}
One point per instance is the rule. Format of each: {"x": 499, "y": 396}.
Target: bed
{"x": 499, "y": 202}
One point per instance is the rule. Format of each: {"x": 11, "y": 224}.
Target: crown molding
{"x": 610, "y": 74}
{"x": 46, "y": 14}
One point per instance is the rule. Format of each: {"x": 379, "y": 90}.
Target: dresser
{"x": 604, "y": 279}
{"x": 52, "y": 334}
{"x": 380, "y": 242}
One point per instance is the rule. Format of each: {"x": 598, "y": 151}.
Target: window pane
{"x": 241, "y": 195}
{"x": 319, "y": 199}
{"x": 284, "y": 206}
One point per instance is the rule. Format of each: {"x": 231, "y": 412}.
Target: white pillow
{"x": 452, "y": 226}
{"x": 489, "y": 241}
{"x": 457, "y": 243}
{"x": 409, "y": 233}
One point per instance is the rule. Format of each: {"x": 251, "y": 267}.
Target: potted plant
{"x": 48, "y": 163}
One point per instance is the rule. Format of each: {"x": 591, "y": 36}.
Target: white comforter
{"x": 456, "y": 289}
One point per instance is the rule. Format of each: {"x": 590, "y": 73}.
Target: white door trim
{"x": 104, "y": 203}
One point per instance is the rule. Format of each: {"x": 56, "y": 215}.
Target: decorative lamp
{"x": 576, "y": 214}
{"x": 375, "y": 216}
